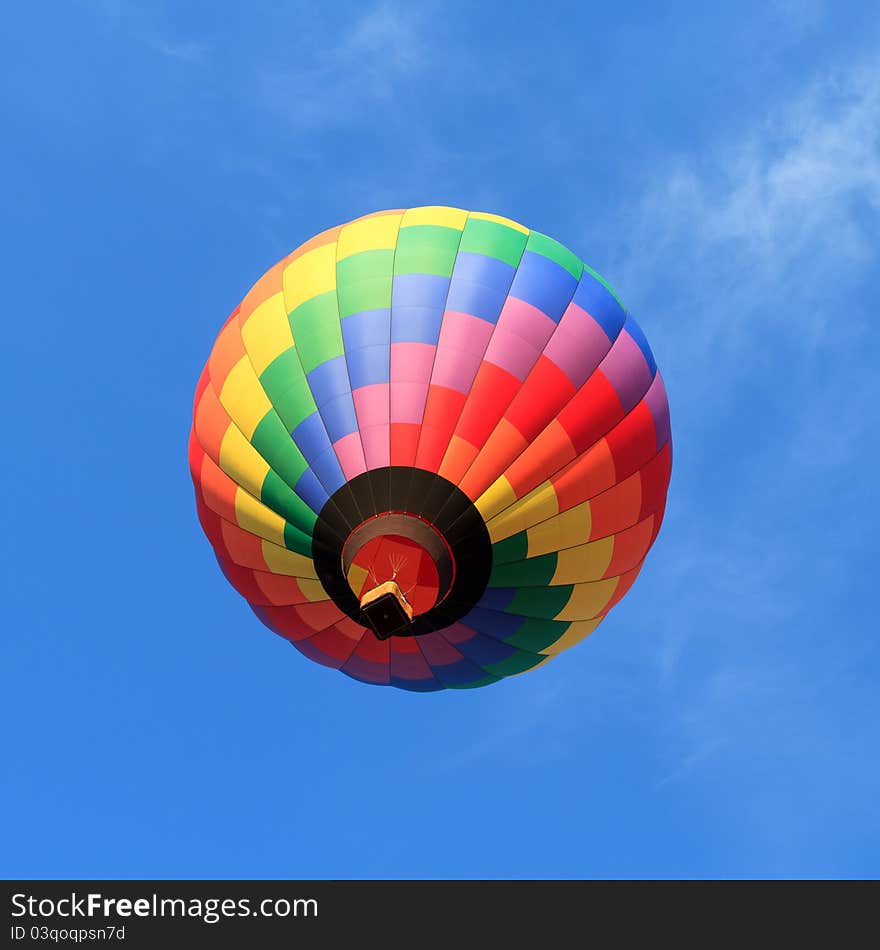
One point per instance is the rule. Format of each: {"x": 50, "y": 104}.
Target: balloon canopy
{"x": 431, "y": 448}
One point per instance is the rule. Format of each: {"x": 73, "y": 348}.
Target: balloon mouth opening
{"x": 399, "y": 566}
{"x": 409, "y": 527}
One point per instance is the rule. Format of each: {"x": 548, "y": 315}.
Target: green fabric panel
{"x": 514, "y": 548}
{"x": 296, "y": 540}
{"x": 494, "y": 240}
{"x": 281, "y": 498}
{"x": 319, "y": 309}
{"x": 518, "y": 663}
{"x": 539, "y": 601}
{"x": 547, "y": 247}
{"x": 372, "y": 294}
{"x": 288, "y": 390}
{"x": 536, "y": 635}
{"x": 426, "y": 249}
{"x": 363, "y": 282}
{"x": 274, "y": 443}
{"x": 320, "y": 344}
{"x": 316, "y": 331}
{"x": 364, "y": 265}
{"x": 485, "y": 681}
{"x": 533, "y": 572}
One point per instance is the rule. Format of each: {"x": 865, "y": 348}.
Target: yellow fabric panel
{"x": 539, "y": 504}
{"x": 310, "y": 275}
{"x": 266, "y": 332}
{"x": 585, "y": 563}
{"x": 289, "y": 563}
{"x": 499, "y": 220}
{"x": 368, "y": 234}
{"x": 570, "y": 528}
{"x": 357, "y": 577}
{"x": 313, "y": 589}
{"x": 578, "y": 631}
{"x": 243, "y": 397}
{"x": 498, "y": 496}
{"x": 242, "y": 463}
{"x": 442, "y": 217}
{"x": 587, "y": 600}
{"x": 254, "y": 516}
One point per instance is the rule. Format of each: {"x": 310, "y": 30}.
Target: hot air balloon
{"x": 431, "y": 448}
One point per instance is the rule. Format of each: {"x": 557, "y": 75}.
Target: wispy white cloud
{"x": 146, "y": 27}
{"x": 776, "y": 212}
{"x": 800, "y": 16}
{"x": 750, "y": 252}
{"x": 191, "y": 52}
{"x": 749, "y": 261}
{"x": 384, "y": 45}
{"x": 367, "y": 65}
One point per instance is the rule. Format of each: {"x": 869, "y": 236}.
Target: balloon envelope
{"x": 431, "y": 448}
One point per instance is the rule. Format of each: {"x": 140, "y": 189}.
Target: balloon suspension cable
{"x": 397, "y": 561}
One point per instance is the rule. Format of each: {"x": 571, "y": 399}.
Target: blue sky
{"x": 719, "y": 163}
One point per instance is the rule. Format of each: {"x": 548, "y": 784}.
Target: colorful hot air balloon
{"x": 431, "y": 448}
